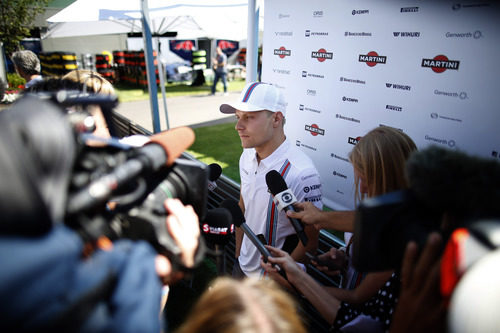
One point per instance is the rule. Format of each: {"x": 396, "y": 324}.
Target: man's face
{"x": 254, "y": 128}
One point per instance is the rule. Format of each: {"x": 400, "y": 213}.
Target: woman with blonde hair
{"x": 243, "y": 306}
{"x": 366, "y": 301}
{"x": 92, "y": 81}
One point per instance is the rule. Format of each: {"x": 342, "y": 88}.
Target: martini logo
{"x": 353, "y": 141}
{"x": 282, "y": 52}
{"x": 372, "y": 58}
{"x": 440, "y": 63}
{"x": 315, "y": 130}
{"x": 322, "y": 55}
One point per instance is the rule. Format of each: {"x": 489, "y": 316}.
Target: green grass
{"x": 129, "y": 93}
{"x": 219, "y": 144}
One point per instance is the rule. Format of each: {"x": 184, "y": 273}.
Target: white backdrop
{"x": 349, "y": 66}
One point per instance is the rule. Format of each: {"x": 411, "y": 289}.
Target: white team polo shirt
{"x": 261, "y": 214}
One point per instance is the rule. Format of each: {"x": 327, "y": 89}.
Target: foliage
{"x": 15, "y": 81}
{"x": 16, "y": 20}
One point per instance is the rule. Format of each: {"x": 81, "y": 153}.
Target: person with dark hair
{"x": 220, "y": 70}
{"x": 28, "y": 66}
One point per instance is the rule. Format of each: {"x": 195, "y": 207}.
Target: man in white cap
{"x": 260, "y": 115}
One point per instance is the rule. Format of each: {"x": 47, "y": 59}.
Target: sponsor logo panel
{"x": 353, "y": 141}
{"x": 322, "y": 55}
{"x": 345, "y": 79}
{"x": 398, "y": 86}
{"x": 357, "y": 34}
{"x": 409, "y": 9}
{"x": 282, "y": 52}
{"x": 394, "y": 108}
{"x": 354, "y": 120}
{"x": 338, "y": 157}
{"x": 461, "y": 95}
{"x": 435, "y": 115}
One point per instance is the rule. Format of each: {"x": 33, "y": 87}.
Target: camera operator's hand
{"x": 306, "y": 212}
{"x": 420, "y": 307}
{"x": 182, "y": 223}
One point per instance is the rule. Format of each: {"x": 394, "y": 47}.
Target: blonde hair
{"x": 380, "y": 157}
{"x": 91, "y": 80}
{"x": 243, "y": 306}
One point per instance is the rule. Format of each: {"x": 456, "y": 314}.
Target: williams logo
{"x": 372, "y": 58}
{"x": 440, "y": 63}
{"x": 394, "y": 108}
{"x": 353, "y": 141}
{"x": 322, "y": 55}
{"x": 398, "y": 86}
{"x": 315, "y": 130}
{"x": 282, "y": 52}
{"x": 283, "y": 33}
{"x": 409, "y": 9}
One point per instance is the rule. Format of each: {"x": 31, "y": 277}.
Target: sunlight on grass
{"x": 218, "y": 144}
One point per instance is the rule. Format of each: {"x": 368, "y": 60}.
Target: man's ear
{"x": 278, "y": 118}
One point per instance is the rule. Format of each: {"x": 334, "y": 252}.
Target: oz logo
{"x": 286, "y": 198}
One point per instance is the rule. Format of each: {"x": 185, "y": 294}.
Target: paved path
{"x": 193, "y": 111}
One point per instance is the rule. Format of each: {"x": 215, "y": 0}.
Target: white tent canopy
{"x": 224, "y": 19}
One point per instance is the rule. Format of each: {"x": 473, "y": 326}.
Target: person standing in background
{"x": 28, "y": 67}
{"x": 220, "y": 69}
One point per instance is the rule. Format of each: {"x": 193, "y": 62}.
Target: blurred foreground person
{"x": 48, "y": 282}
{"x": 248, "y": 305}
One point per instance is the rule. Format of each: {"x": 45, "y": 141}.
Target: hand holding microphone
{"x": 284, "y": 199}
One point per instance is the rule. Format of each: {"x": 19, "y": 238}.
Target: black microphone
{"x": 239, "y": 221}
{"x": 217, "y": 226}
{"x": 214, "y": 172}
{"x": 164, "y": 148}
{"x": 284, "y": 199}
{"x": 218, "y": 229}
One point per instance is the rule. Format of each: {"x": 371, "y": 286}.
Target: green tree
{"x": 16, "y": 20}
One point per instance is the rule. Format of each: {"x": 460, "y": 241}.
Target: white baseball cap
{"x": 257, "y": 96}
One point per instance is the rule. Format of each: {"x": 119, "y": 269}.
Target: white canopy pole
{"x": 150, "y": 66}
{"x": 252, "y": 41}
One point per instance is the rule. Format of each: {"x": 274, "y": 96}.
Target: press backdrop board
{"x": 428, "y": 68}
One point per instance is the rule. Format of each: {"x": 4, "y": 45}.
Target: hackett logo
{"x": 282, "y": 52}
{"x": 322, "y": 55}
{"x": 372, "y": 58}
{"x": 315, "y": 130}
{"x": 440, "y": 63}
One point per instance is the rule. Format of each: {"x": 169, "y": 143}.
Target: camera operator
{"x": 46, "y": 281}
{"x": 378, "y": 160}
{"x": 463, "y": 191}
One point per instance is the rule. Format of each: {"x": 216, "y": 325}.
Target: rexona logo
{"x": 372, "y": 58}
{"x": 322, "y": 55}
{"x": 440, "y": 63}
{"x": 282, "y": 52}
{"x": 315, "y": 130}
{"x": 353, "y": 141}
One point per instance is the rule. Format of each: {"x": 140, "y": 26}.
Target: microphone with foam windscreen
{"x": 239, "y": 221}
{"x": 214, "y": 172}
{"x": 218, "y": 228}
{"x": 284, "y": 199}
{"x": 163, "y": 149}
